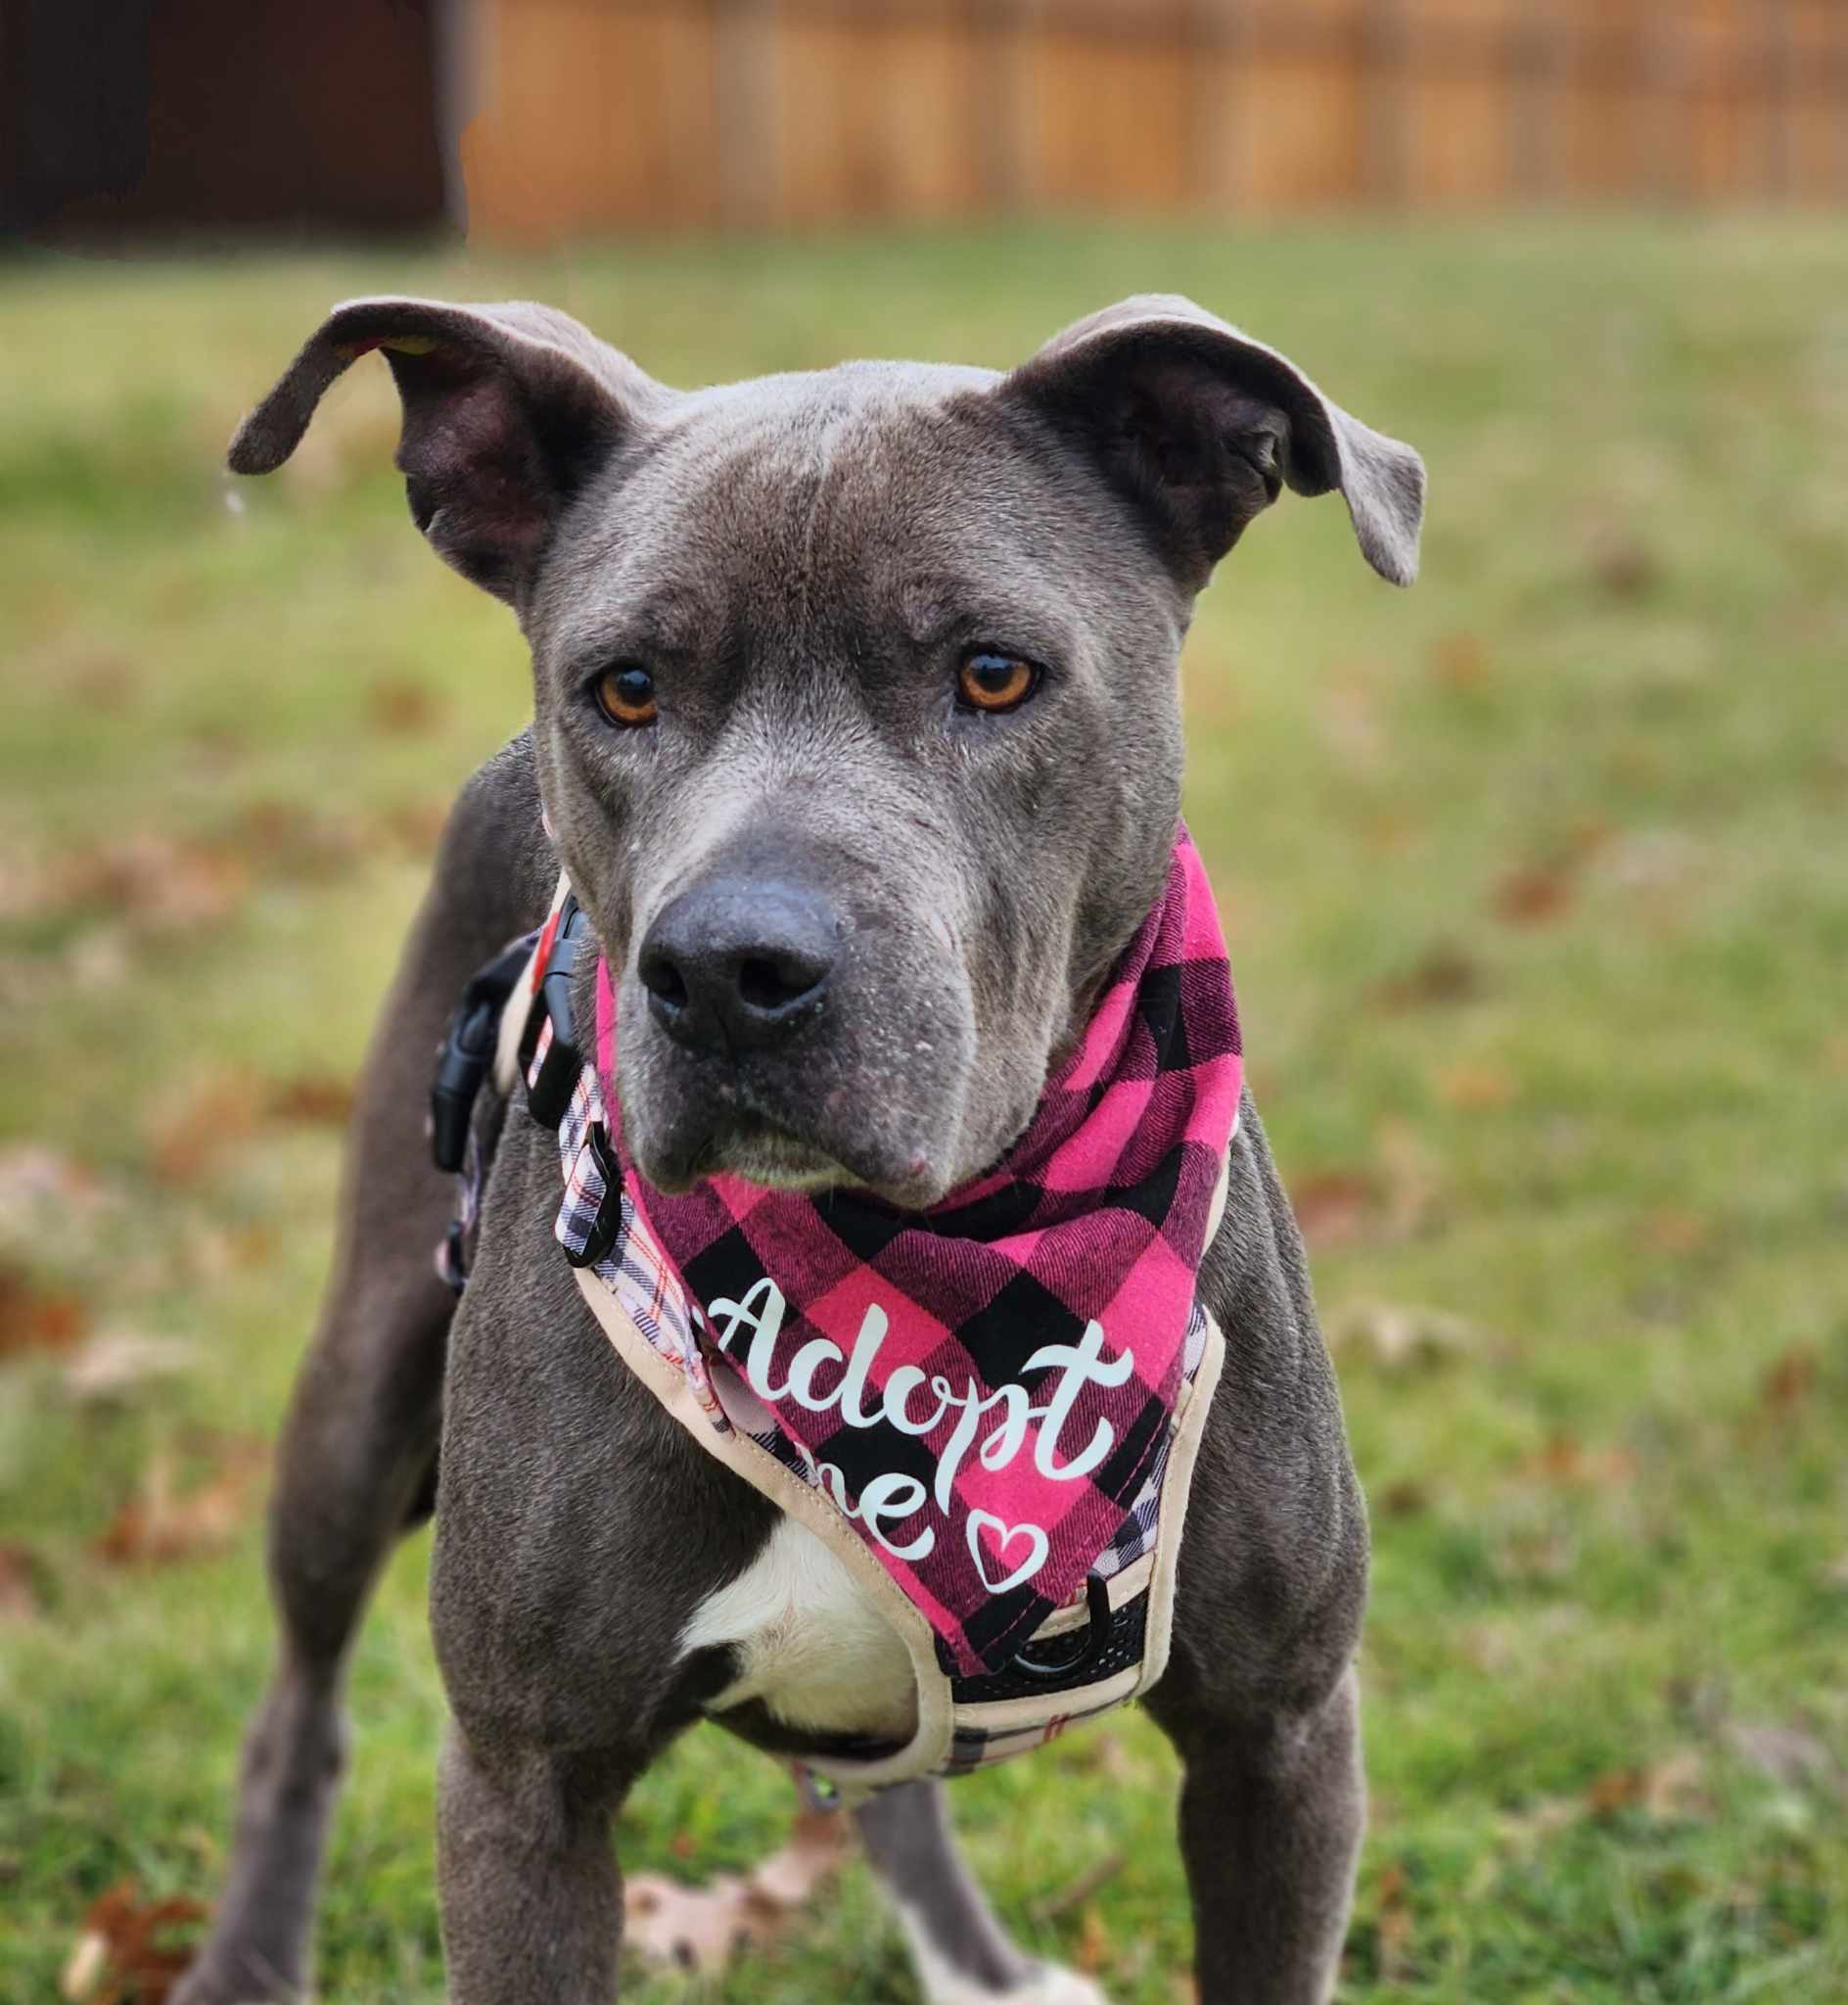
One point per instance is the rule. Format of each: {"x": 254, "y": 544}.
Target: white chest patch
{"x": 812, "y": 1647}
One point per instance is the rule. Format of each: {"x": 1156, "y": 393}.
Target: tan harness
{"x": 963, "y": 1723}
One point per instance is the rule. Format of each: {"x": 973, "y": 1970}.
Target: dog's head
{"x": 855, "y": 711}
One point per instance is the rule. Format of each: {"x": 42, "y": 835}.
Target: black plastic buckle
{"x": 465, "y": 1053}
{"x": 1095, "y": 1639}
{"x": 601, "y": 1236}
{"x": 548, "y": 1096}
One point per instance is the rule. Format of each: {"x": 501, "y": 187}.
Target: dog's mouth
{"x": 758, "y": 1150}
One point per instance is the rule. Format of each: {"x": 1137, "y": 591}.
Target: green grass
{"x": 1534, "y": 884}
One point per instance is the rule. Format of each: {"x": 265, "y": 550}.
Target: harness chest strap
{"x": 960, "y": 1723}
{"x": 950, "y": 1737}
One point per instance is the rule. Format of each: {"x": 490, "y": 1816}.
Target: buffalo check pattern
{"x": 1098, "y": 1215}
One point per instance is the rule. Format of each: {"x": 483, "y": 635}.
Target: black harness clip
{"x": 548, "y": 1095}
{"x": 465, "y": 1053}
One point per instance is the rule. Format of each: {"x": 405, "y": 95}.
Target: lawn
{"x": 1534, "y": 883}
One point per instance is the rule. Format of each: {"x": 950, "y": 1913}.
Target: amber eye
{"x": 625, "y": 695}
{"x": 994, "y": 681}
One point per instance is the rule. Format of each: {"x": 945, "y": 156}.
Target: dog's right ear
{"x": 508, "y": 410}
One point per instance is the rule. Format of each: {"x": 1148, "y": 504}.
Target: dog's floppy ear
{"x": 1201, "y": 425}
{"x": 508, "y": 410}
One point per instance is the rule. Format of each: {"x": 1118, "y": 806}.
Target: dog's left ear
{"x": 1201, "y": 427}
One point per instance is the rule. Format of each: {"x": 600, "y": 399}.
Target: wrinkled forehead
{"x": 796, "y": 503}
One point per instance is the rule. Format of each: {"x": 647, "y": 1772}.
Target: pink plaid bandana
{"x": 984, "y": 1389}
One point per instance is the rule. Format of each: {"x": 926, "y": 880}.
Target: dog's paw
{"x": 1047, "y": 1983}
{"x": 1052, "y": 1984}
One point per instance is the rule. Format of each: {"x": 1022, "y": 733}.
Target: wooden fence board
{"x": 690, "y": 114}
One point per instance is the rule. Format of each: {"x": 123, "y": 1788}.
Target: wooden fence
{"x": 700, "y": 113}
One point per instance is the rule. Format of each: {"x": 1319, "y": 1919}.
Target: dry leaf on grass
{"x": 1790, "y": 1380}
{"x": 1395, "y": 1922}
{"x": 43, "y": 1190}
{"x": 702, "y": 1928}
{"x": 416, "y": 826}
{"x": 161, "y": 1524}
{"x": 1790, "y": 1757}
{"x": 19, "y": 1586}
{"x": 1621, "y": 562}
{"x": 1475, "y": 1086}
{"x": 1406, "y": 1498}
{"x": 156, "y": 883}
{"x": 1565, "y": 1460}
{"x": 1671, "y": 1792}
{"x": 1333, "y": 1207}
{"x": 311, "y": 1097}
{"x": 291, "y": 841}
{"x": 115, "y": 1363}
{"x": 1535, "y": 894}
{"x": 190, "y": 1127}
{"x": 1395, "y": 1333}
{"x": 401, "y": 707}
{"x": 130, "y": 1951}
{"x": 35, "y": 1319}
{"x": 1442, "y": 976}
{"x": 1461, "y": 661}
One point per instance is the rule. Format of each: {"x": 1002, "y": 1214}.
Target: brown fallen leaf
{"x": 43, "y": 1190}
{"x": 1398, "y": 1334}
{"x": 158, "y": 883}
{"x": 1790, "y": 1380}
{"x": 1676, "y": 1231}
{"x": 401, "y": 707}
{"x": 702, "y": 1928}
{"x": 1675, "y": 1790}
{"x": 1443, "y": 975}
{"x": 1411, "y": 1179}
{"x": 127, "y": 1952}
{"x": 35, "y": 1319}
{"x": 1790, "y": 1755}
{"x": 1406, "y": 1497}
{"x": 1395, "y": 1922}
{"x": 115, "y": 1363}
{"x": 312, "y": 1096}
{"x": 19, "y": 1582}
{"x": 1534, "y": 895}
{"x": 417, "y": 826}
{"x": 292, "y": 840}
{"x": 1476, "y": 1087}
{"x": 160, "y": 1525}
{"x": 1567, "y": 1462}
{"x": 1334, "y": 1207}
{"x": 1621, "y": 562}
{"x": 190, "y": 1127}
{"x": 1528, "y": 1553}
{"x": 1461, "y": 661}
{"x": 1094, "y": 1948}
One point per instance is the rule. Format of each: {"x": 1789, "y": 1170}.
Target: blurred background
{"x": 1534, "y": 881}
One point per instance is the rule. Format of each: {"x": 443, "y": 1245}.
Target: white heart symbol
{"x": 1006, "y": 1534}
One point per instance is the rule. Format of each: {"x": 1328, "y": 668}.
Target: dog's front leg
{"x": 1272, "y": 1814}
{"x": 961, "y": 1953}
{"x": 531, "y": 1892}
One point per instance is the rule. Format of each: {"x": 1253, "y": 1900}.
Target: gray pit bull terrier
{"x": 766, "y": 621}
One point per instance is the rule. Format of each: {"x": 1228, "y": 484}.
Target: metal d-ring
{"x": 1102, "y": 1619}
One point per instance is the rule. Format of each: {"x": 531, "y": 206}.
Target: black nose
{"x": 737, "y": 964}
